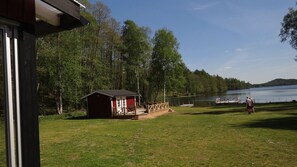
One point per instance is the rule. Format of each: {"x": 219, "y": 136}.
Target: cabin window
{"x": 121, "y": 105}
{"x": 124, "y": 102}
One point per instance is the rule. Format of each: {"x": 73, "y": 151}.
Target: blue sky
{"x": 231, "y": 38}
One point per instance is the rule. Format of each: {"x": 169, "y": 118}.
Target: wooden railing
{"x": 124, "y": 111}
{"x": 157, "y": 107}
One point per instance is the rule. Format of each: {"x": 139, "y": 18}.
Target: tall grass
{"x": 206, "y": 136}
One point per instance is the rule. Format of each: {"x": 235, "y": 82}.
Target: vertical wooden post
{"x": 28, "y": 98}
{"x": 135, "y": 105}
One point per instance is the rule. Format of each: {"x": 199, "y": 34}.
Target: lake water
{"x": 261, "y": 95}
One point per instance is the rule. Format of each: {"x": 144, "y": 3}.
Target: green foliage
{"x": 200, "y": 82}
{"x": 167, "y": 67}
{"x": 277, "y": 82}
{"x": 58, "y": 67}
{"x": 73, "y": 63}
{"x": 289, "y": 28}
{"x": 234, "y": 84}
{"x": 137, "y": 54}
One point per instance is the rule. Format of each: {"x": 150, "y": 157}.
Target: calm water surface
{"x": 261, "y": 95}
{"x": 267, "y": 94}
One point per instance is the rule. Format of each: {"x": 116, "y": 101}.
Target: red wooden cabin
{"x": 111, "y": 103}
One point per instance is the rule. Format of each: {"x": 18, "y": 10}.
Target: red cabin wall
{"x": 130, "y": 101}
{"x": 114, "y": 103}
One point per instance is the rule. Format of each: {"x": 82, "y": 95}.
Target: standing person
{"x": 253, "y": 105}
{"x": 248, "y": 102}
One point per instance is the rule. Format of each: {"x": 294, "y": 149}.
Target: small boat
{"x": 235, "y": 100}
{"x": 187, "y": 105}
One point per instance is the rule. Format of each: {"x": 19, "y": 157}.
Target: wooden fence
{"x": 124, "y": 111}
{"x": 156, "y": 107}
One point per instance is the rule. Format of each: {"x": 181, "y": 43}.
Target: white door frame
{"x": 121, "y": 104}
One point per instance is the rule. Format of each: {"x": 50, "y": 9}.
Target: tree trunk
{"x": 59, "y": 103}
{"x": 59, "y": 97}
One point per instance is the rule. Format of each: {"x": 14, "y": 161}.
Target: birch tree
{"x": 167, "y": 67}
{"x": 289, "y": 28}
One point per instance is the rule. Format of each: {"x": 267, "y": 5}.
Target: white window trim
{"x": 17, "y": 98}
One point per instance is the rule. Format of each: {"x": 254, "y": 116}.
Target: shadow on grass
{"x": 286, "y": 123}
{"x": 277, "y": 108}
{"x": 217, "y": 112}
{"x": 239, "y": 108}
{"x": 82, "y": 117}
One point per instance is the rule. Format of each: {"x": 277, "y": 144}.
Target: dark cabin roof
{"x": 113, "y": 93}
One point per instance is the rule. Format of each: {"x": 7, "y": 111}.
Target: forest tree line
{"x": 277, "y": 82}
{"x": 108, "y": 55}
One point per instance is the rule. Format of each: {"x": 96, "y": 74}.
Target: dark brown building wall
{"x": 28, "y": 98}
{"x": 18, "y": 10}
{"x": 99, "y": 106}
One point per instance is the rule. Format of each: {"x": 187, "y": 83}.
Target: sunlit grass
{"x": 206, "y": 136}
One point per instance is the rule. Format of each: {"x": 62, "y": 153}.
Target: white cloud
{"x": 206, "y": 6}
{"x": 238, "y": 50}
{"x": 227, "y": 67}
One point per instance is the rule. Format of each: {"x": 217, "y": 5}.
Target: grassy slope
{"x": 208, "y": 136}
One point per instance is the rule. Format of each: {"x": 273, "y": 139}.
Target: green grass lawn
{"x": 2, "y": 143}
{"x": 206, "y": 136}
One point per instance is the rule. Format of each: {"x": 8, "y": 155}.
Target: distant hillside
{"x": 277, "y": 82}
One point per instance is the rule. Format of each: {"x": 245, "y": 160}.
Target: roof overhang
{"x": 57, "y": 15}
{"x": 113, "y": 93}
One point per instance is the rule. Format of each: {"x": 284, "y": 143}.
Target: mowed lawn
{"x": 202, "y": 136}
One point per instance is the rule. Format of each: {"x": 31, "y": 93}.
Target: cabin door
{"x": 121, "y": 105}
